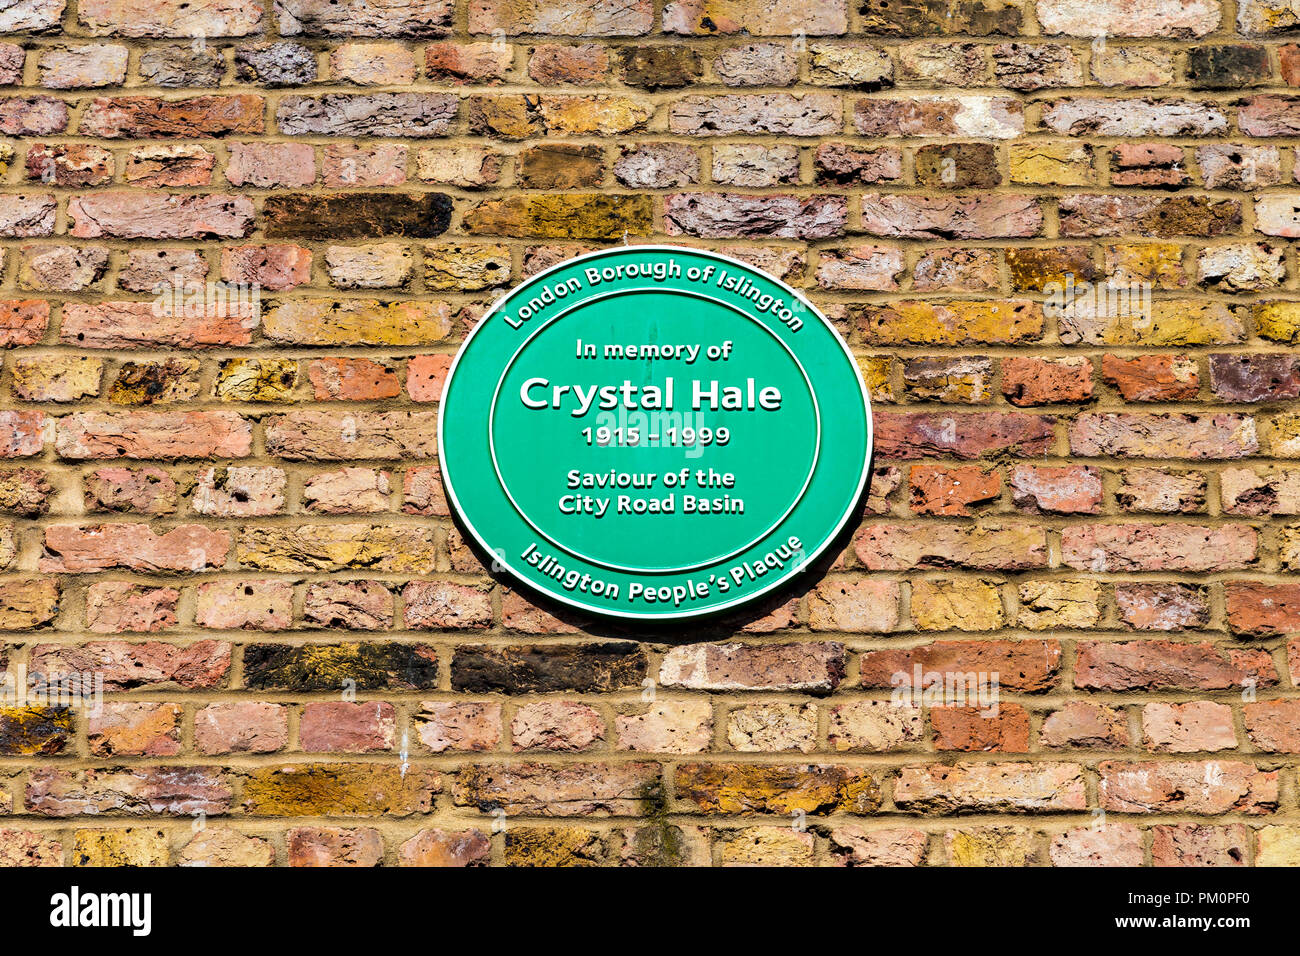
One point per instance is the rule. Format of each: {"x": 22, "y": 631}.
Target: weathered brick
{"x": 815, "y": 668}
{"x": 445, "y": 848}
{"x": 857, "y": 606}
{"x": 1130, "y": 665}
{"x": 120, "y": 846}
{"x": 1180, "y": 435}
{"x": 754, "y": 788}
{"x": 883, "y": 547}
{"x": 1136, "y": 18}
{"x": 1049, "y": 605}
{"x": 114, "y": 607}
{"x": 1188, "y": 728}
{"x": 1091, "y": 215}
{"x": 170, "y": 791}
{"x": 973, "y": 435}
{"x": 1081, "y": 724}
{"x": 953, "y": 323}
{"x": 522, "y": 669}
{"x": 854, "y": 846}
{"x": 1211, "y": 787}
{"x": 356, "y": 215}
{"x": 927, "y": 217}
{"x": 1262, "y": 610}
{"x": 1155, "y": 547}
{"x": 81, "y": 549}
{"x": 1116, "y": 844}
{"x": 1069, "y": 489}
{"x": 1162, "y": 607}
{"x": 535, "y": 789}
{"x": 1022, "y": 665}
{"x": 1190, "y": 844}
{"x": 339, "y": 790}
{"x": 991, "y": 787}
{"x": 126, "y": 666}
{"x": 151, "y": 730}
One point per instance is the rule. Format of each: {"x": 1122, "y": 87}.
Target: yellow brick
{"x": 960, "y": 604}
{"x": 995, "y": 846}
{"x": 1278, "y": 846}
{"x": 133, "y": 846}
{"x": 357, "y": 322}
{"x": 956, "y": 323}
{"x": 1045, "y": 605}
{"x": 766, "y": 846}
{"x": 878, "y": 373}
{"x": 1279, "y": 321}
{"x": 257, "y": 380}
{"x": 1160, "y": 263}
{"x": 1052, "y": 164}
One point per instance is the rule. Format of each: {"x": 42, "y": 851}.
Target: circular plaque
{"x": 654, "y": 432}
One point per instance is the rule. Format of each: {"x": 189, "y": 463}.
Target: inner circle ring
{"x": 496, "y": 467}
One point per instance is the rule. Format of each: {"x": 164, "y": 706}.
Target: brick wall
{"x": 238, "y": 524}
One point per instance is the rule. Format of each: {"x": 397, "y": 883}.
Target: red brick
{"x": 126, "y": 666}
{"x": 1158, "y": 547}
{"x": 1082, "y": 724}
{"x": 338, "y": 726}
{"x": 118, "y": 325}
{"x": 1174, "y": 435}
{"x": 352, "y": 379}
{"x": 939, "y": 490}
{"x": 80, "y": 549}
{"x": 974, "y": 729}
{"x": 114, "y": 607}
{"x": 425, "y": 377}
{"x": 435, "y": 604}
{"x": 1068, "y": 489}
{"x": 1035, "y": 381}
{"x": 1165, "y": 665}
{"x": 1262, "y": 610}
{"x": 1206, "y": 787}
{"x": 335, "y": 846}
{"x": 991, "y": 787}
{"x": 1190, "y": 844}
{"x": 1162, "y": 606}
{"x": 1020, "y": 665}
{"x": 23, "y": 321}
{"x": 1152, "y": 378}
{"x": 970, "y": 435}
{"x": 164, "y": 435}
{"x": 241, "y": 727}
{"x": 1273, "y": 725}
{"x": 1198, "y": 725}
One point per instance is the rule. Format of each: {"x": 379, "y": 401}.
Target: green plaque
{"x": 654, "y": 432}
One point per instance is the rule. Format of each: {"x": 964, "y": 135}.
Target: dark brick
{"x": 1227, "y": 67}
{"x": 1255, "y": 378}
{"x": 659, "y": 67}
{"x": 328, "y": 666}
{"x": 357, "y": 216}
{"x": 930, "y": 18}
{"x": 540, "y": 668}
{"x": 561, "y": 166}
{"x": 958, "y": 166}
{"x": 34, "y": 730}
